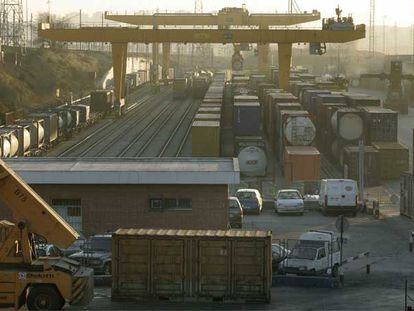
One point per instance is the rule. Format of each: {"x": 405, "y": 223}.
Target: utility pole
{"x": 372, "y": 28}
{"x": 361, "y": 170}
{"x": 198, "y": 8}
{"x": 80, "y": 26}
{"x": 384, "y": 46}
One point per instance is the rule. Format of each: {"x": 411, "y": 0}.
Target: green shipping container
{"x": 205, "y": 139}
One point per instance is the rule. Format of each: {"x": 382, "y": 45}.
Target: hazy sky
{"x": 397, "y": 11}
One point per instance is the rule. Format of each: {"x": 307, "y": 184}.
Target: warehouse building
{"x": 102, "y": 195}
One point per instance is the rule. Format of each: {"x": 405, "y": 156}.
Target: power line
{"x": 372, "y": 27}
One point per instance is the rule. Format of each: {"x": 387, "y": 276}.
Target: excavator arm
{"x": 32, "y": 212}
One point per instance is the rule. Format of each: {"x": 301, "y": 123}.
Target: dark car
{"x": 96, "y": 254}
{"x": 250, "y": 200}
{"x": 235, "y": 213}
{"x": 76, "y": 247}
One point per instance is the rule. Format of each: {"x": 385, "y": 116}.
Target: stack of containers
{"x": 255, "y": 79}
{"x": 348, "y": 127}
{"x": 382, "y": 133}
{"x": 295, "y": 128}
{"x": 247, "y": 129}
{"x": 360, "y": 100}
{"x": 308, "y": 99}
{"x": 350, "y": 159}
{"x": 324, "y": 133}
{"x": 205, "y": 130}
{"x": 274, "y": 99}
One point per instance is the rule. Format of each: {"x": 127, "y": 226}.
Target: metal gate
{"x": 70, "y": 210}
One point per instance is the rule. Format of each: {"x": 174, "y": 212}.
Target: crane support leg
{"x": 263, "y": 55}
{"x": 166, "y": 47}
{"x": 155, "y": 62}
{"x": 285, "y": 58}
{"x": 119, "y": 59}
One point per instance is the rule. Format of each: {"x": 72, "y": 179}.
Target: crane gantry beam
{"x": 119, "y": 37}
{"x": 223, "y": 36}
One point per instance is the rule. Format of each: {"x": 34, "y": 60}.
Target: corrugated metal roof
{"x": 302, "y": 150}
{"x": 126, "y": 170}
{"x": 193, "y": 233}
{"x": 389, "y": 145}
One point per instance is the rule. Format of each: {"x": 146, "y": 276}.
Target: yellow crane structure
{"x": 226, "y": 18}
{"x": 119, "y": 37}
{"x": 25, "y": 278}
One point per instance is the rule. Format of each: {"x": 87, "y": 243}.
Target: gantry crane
{"x": 334, "y": 32}
{"x": 40, "y": 283}
{"x": 394, "y": 98}
{"x": 226, "y": 18}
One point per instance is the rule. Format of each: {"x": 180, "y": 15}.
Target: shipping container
{"x": 295, "y": 128}
{"x": 348, "y": 124}
{"x": 255, "y": 79}
{"x": 9, "y": 143}
{"x": 272, "y": 100}
{"x": 84, "y": 112}
{"x": 325, "y": 114}
{"x": 380, "y": 124}
{"x": 23, "y": 138}
{"x": 241, "y": 142}
{"x": 207, "y": 117}
{"x": 216, "y": 101}
{"x": 301, "y": 163}
{"x": 7, "y": 118}
{"x": 51, "y": 125}
{"x": 246, "y": 118}
{"x": 407, "y": 195}
{"x": 327, "y": 98}
{"x": 359, "y": 100}
{"x": 308, "y": 99}
{"x": 394, "y": 159}
{"x": 205, "y": 139}
{"x": 37, "y": 132}
{"x": 299, "y": 86}
{"x": 191, "y": 265}
{"x": 350, "y": 164}
{"x": 102, "y": 101}
{"x": 252, "y": 161}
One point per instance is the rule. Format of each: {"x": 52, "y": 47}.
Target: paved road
{"x": 387, "y": 240}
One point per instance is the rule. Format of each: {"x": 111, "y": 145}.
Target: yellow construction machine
{"x": 26, "y": 279}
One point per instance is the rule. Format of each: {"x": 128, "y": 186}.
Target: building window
{"x": 70, "y": 210}
{"x": 170, "y": 204}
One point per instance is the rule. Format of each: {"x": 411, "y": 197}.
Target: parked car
{"x": 279, "y": 253}
{"x": 251, "y": 200}
{"x": 235, "y": 213}
{"x": 96, "y": 254}
{"x": 48, "y": 250}
{"x": 289, "y": 201}
{"x": 338, "y": 196}
{"x": 76, "y": 247}
{"x": 316, "y": 252}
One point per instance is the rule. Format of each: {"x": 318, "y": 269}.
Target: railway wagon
{"x": 196, "y": 265}
{"x": 200, "y": 86}
{"x": 102, "y": 101}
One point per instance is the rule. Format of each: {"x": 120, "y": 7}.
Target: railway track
{"x": 101, "y": 135}
{"x": 175, "y": 143}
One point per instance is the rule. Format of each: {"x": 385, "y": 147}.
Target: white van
{"x": 338, "y": 196}
{"x": 316, "y": 252}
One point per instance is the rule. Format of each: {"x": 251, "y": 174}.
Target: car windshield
{"x": 246, "y": 195}
{"x": 289, "y": 195}
{"x": 303, "y": 253}
{"x": 102, "y": 244}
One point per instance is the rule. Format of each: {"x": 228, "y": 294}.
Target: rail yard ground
{"x": 383, "y": 289}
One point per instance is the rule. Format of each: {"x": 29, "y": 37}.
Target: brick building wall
{"x": 109, "y": 207}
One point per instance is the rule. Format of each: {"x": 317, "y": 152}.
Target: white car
{"x": 289, "y": 201}
{"x": 339, "y": 196}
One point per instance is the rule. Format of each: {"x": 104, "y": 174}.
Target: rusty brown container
{"x": 394, "y": 159}
{"x": 301, "y": 163}
{"x": 191, "y": 265}
{"x": 213, "y": 110}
